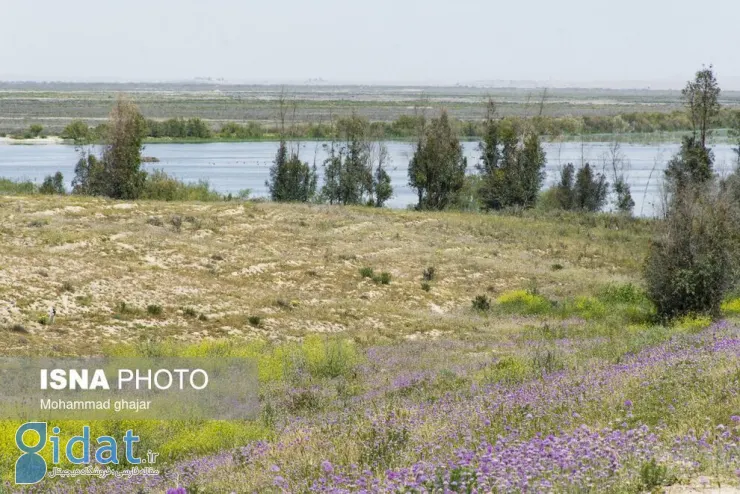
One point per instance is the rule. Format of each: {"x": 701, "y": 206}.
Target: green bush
{"x": 154, "y": 310}
{"x": 482, "y": 303}
{"x": 692, "y": 262}
{"x": 383, "y": 278}
{"x": 159, "y": 186}
{"x": 367, "y": 272}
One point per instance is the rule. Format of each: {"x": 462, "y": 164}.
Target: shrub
{"x": 652, "y": 475}
{"x": 159, "y": 186}
{"x": 255, "y": 320}
{"x": 176, "y": 222}
{"x": 429, "y": 273}
{"x": 67, "y": 287}
{"x": 189, "y": 312}
{"x": 523, "y": 302}
{"x": 154, "y": 310}
{"x": 383, "y": 278}
{"x": 203, "y": 318}
{"x": 557, "y": 267}
{"x": 17, "y": 328}
{"x": 367, "y": 272}
{"x": 482, "y": 303}
{"x": 426, "y": 286}
{"x": 691, "y": 264}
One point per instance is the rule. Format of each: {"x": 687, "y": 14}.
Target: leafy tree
{"x": 89, "y": 175}
{"x": 693, "y": 163}
{"x": 437, "y": 169}
{"x": 512, "y": 163}
{"x": 381, "y": 180}
{"x": 701, "y": 97}
{"x": 53, "y": 184}
{"x": 590, "y": 189}
{"x": 623, "y": 201}
{"x": 78, "y": 131}
{"x": 291, "y": 180}
{"x": 565, "y": 190}
{"x": 354, "y": 170}
{"x": 581, "y": 190}
{"x": 117, "y": 174}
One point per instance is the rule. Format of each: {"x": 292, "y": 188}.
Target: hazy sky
{"x": 425, "y": 41}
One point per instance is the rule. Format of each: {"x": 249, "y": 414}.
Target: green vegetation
{"x": 512, "y": 164}
{"x": 354, "y": 171}
{"x": 693, "y": 262}
{"x": 437, "y": 168}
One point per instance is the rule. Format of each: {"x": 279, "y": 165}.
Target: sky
{"x": 606, "y": 43}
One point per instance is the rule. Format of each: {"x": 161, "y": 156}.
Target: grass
{"x": 353, "y": 371}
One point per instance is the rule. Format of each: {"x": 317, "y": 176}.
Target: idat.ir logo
{"x": 32, "y": 437}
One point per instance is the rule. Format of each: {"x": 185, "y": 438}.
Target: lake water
{"x": 231, "y": 167}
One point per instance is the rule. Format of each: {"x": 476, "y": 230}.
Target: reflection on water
{"x": 231, "y": 167}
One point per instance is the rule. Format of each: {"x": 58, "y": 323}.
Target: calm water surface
{"x": 231, "y": 167}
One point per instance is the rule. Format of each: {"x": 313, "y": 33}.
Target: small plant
{"x": 38, "y": 223}
{"x": 557, "y": 267}
{"x": 653, "y": 475}
{"x": 367, "y": 272}
{"x": 426, "y": 286}
{"x": 482, "y": 303}
{"x": 176, "y": 222}
{"x": 217, "y": 257}
{"x": 255, "y": 321}
{"x": 383, "y": 278}
{"x": 18, "y": 328}
{"x": 67, "y": 287}
{"x": 154, "y": 310}
{"x": 43, "y": 320}
{"x": 189, "y": 312}
{"x": 429, "y": 273}
{"x": 203, "y": 317}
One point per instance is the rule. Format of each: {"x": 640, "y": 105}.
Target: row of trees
{"x": 405, "y": 127}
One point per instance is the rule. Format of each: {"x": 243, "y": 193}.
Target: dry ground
{"x": 296, "y": 267}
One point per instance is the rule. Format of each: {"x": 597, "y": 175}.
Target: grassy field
{"x": 397, "y": 351}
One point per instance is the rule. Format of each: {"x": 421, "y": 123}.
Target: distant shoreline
{"x": 627, "y": 138}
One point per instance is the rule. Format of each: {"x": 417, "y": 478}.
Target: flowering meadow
{"x": 528, "y": 360}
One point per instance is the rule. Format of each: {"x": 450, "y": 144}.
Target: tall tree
{"x": 701, "y": 97}
{"x": 354, "y": 171}
{"x": 291, "y": 180}
{"x": 118, "y": 172}
{"x": 512, "y": 163}
{"x": 437, "y": 169}
{"x": 693, "y": 165}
